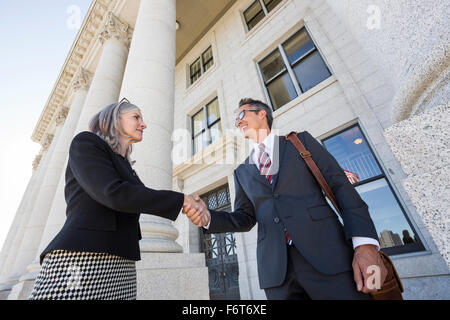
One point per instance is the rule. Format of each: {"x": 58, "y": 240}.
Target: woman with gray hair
{"x": 94, "y": 254}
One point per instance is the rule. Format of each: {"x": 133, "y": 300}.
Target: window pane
{"x": 270, "y": 4}
{"x": 195, "y": 67}
{"x": 207, "y": 59}
{"x": 213, "y": 111}
{"x": 216, "y": 131}
{"x": 298, "y": 45}
{"x": 200, "y": 142}
{"x": 311, "y": 71}
{"x": 253, "y": 14}
{"x": 281, "y": 91}
{"x": 272, "y": 65}
{"x": 392, "y": 227}
{"x": 195, "y": 70}
{"x": 353, "y": 154}
{"x": 198, "y": 122}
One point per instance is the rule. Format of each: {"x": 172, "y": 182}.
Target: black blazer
{"x": 104, "y": 199}
{"x": 295, "y": 201}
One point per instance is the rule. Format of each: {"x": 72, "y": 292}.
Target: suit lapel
{"x": 253, "y": 171}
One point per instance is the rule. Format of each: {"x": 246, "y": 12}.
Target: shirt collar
{"x": 268, "y": 142}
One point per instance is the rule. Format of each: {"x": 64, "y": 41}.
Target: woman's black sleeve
{"x": 93, "y": 169}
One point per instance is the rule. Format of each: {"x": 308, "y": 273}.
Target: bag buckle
{"x": 305, "y": 154}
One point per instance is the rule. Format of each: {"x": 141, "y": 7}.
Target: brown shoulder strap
{"x": 306, "y": 155}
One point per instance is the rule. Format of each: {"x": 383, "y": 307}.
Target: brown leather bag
{"x": 392, "y": 287}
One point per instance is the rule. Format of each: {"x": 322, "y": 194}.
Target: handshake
{"x": 196, "y": 210}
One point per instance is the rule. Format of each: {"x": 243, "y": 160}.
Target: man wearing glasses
{"x": 303, "y": 252}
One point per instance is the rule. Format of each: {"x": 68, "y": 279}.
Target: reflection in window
{"x": 203, "y": 63}
{"x": 257, "y": 11}
{"x": 293, "y": 68}
{"x": 206, "y": 126}
{"x": 253, "y": 14}
{"x": 207, "y": 59}
{"x": 353, "y": 153}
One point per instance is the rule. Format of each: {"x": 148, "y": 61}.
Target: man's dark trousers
{"x": 303, "y": 282}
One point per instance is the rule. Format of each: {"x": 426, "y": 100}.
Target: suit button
{"x": 276, "y": 219}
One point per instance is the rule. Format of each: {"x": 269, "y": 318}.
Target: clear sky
{"x": 36, "y": 37}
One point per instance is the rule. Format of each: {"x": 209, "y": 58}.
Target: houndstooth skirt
{"x": 67, "y": 275}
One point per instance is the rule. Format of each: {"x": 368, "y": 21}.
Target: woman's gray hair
{"x": 106, "y": 124}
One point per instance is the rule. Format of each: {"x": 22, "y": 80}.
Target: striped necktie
{"x": 265, "y": 165}
{"x": 265, "y": 168}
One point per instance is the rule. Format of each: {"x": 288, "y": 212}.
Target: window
{"x": 203, "y": 63}
{"x": 354, "y": 155}
{"x": 292, "y": 68}
{"x": 206, "y": 126}
{"x": 257, "y": 11}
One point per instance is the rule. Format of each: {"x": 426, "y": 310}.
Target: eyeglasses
{"x": 241, "y": 115}
{"x": 124, "y": 100}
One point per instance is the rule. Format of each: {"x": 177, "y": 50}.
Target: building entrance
{"x": 220, "y": 252}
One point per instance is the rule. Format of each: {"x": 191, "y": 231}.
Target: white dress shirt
{"x": 268, "y": 143}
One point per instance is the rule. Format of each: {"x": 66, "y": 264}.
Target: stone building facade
{"x": 369, "y": 79}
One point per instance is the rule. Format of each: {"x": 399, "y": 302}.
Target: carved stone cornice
{"x": 36, "y": 161}
{"x": 82, "y": 79}
{"x": 62, "y": 115}
{"x": 47, "y": 141}
{"x": 84, "y": 41}
{"x": 116, "y": 29}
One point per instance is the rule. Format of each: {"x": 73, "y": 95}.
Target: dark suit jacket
{"x": 104, "y": 199}
{"x": 295, "y": 201}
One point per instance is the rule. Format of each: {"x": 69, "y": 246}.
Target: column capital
{"x": 36, "y": 161}
{"x": 62, "y": 115}
{"x": 82, "y": 79}
{"x": 116, "y": 29}
{"x": 47, "y": 141}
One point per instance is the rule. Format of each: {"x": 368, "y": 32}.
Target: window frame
{"x": 290, "y": 67}
{"x": 264, "y": 10}
{"x": 206, "y": 127}
{"x": 202, "y": 68}
{"x": 396, "y": 250}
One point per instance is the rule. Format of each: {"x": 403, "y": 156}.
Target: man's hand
{"x": 367, "y": 256}
{"x": 196, "y": 210}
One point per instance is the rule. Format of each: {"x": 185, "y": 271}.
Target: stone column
{"x": 409, "y": 41}
{"x": 13, "y": 229}
{"x": 8, "y": 244}
{"x": 57, "y": 211}
{"x": 149, "y": 83}
{"x": 11, "y": 271}
{"x": 66, "y": 121}
{"x": 37, "y": 218}
{"x": 163, "y": 273}
{"x": 108, "y": 75}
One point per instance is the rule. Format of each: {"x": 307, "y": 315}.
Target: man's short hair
{"x": 257, "y": 104}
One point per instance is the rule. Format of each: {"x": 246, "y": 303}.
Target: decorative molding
{"x": 36, "y": 161}
{"x": 82, "y": 79}
{"x": 225, "y": 152}
{"x": 62, "y": 115}
{"x": 47, "y": 141}
{"x": 84, "y": 41}
{"x": 116, "y": 29}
